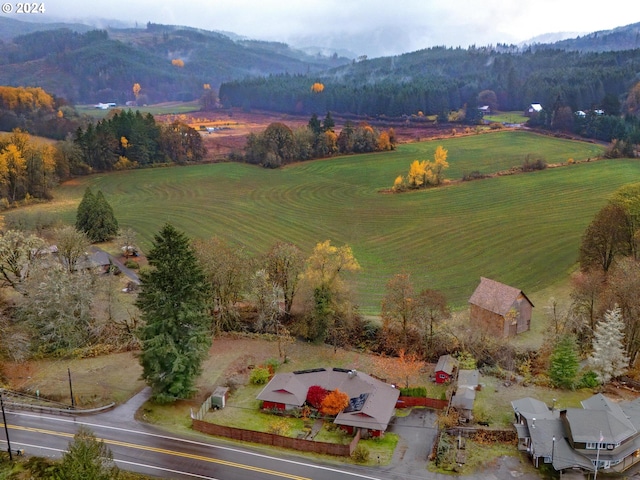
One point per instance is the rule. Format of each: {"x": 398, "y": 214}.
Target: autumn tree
{"x": 284, "y": 263}
{"x": 57, "y": 308}
{"x": 177, "y": 62}
{"x": 317, "y": 87}
{"x": 489, "y": 98}
{"x": 425, "y": 173}
{"x": 19, "y": 252}
{"x": 430, "y": 309}
{"x": 609, "y": 358}
{"x": 315, "y": 395}
{"x": 606, "y": 238}
{"x": 628, "y": 197}
{"x": 632, "y": 102}
{"x": 323, "y": 276}
{"x": 136, "y": 90}
{"x": 173, "y": 300}
{"x": 226, "y": 268}
{"x": 334, "y": 403}
{"x": 13, "y": 172}
{"x": 72, "y": 246}
{"x": 398, "y": 304}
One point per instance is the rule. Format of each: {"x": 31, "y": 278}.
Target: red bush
{"x": 315, "y": 395}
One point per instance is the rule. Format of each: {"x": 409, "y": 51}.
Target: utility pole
{"x": 73, "y": 402}
{"x": 6, "y": 429}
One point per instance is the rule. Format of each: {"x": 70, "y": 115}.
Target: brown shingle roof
{"x": 495, "y": 296}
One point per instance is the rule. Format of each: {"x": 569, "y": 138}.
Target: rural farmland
{"x": 522, "y": 229}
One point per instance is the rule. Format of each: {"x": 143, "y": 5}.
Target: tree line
{"x": 279, "y": 145}
{"x": 440, "y": 79}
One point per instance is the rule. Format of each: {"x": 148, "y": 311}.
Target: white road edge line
{"x": 127, "y": 462}
{"x": 202, "y": 444}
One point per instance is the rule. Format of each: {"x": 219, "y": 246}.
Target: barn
{"x": 499, "y": 309}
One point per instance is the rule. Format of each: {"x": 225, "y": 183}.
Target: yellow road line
{"x": 168, "y": 452}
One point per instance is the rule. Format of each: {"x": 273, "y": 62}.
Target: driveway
{"x": 417, "y": 432}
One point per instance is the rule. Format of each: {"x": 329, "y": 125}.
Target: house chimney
{"x": 352, "y": 373}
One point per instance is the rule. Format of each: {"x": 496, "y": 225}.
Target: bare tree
{"x": 72, "y": 246}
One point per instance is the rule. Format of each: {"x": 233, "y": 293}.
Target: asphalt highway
{"x": 139, "y": 447}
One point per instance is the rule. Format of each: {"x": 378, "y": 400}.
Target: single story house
{"x": 601, "y": 436}
{"x": 371, "y": 405}
{"x": 500, "y": 309}
{"x": 444, "y": 368}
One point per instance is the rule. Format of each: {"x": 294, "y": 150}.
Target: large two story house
{"x": 602, "y": 435}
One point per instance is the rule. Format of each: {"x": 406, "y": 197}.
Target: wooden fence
{"x": 276, "y": 440}
{"x": 406, "y": 402}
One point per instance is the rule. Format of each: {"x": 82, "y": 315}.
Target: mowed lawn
{"x": 522, "y": 229}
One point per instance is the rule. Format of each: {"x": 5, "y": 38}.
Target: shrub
{"x": 259, "y": 376}
{"x": 334, "y": 403}
{"x": 272, "y": 365}
{"x": 414, "y": 392}
{"x": 280, "y": 427}
{"x": 132, "y": 264}
{"x": 589, "y": 380}
{"x": 533, "y": 162}
{"x": 360, "y": 454}
{"x": 496, "y": 126}
{"x": 315, "y": 395}
{"x": 475, "y": 175}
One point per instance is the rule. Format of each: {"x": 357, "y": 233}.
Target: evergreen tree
{"x": 609, "y": 359}
{"x": 95, "y": 217}
{"x": 103, "y": 221}
{"x": 87, "y": 458}
{"x": 173, "y": 300}
{"x": 564, "y": 363}
{"x": 83, "y": 214}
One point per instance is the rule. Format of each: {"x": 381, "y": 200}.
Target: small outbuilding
{"x": 445, "y": 368}
{"x": 499, "y": 309}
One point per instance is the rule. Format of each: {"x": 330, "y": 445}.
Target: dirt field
{"x": 233, "y": 126}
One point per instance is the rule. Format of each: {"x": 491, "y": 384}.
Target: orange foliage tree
{"x": 176, "y": 62}
{"x": 317, "y": 87}
{"x": 334, "y": 403}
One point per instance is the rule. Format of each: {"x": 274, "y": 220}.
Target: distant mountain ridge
{"x": 620, "y": 38}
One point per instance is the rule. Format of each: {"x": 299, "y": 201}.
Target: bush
{"x": 360, "y": 454}
{"x": 475, "y": 175}
{"x": 272, "y": 365}
{"x": 414, "y": 392}
{"x": 496, "y": 126}
{"x": 259, "y": 376}
{"x": 533, "y": 162}
{"x": 132, "y": 264}
{"x": 589, "y": 380}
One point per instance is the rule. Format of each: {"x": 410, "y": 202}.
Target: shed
{"x": 500, "y": 309}
{"x": 219, "y": 397}
{"x": 444, "y": 368}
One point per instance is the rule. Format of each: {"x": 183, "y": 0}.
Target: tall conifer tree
{"x": 173, "y": 300}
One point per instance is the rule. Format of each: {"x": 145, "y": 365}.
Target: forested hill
{"x": 440, "y": 79}
{"x": 169, "y": 62}
{"x": 621, "y": 38}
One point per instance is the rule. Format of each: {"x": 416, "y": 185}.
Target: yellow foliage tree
{"x": 384, "y": 142}
{"x": 124, "y": 142}
{"x": 13, "y": 169}
{"x": 398, "y": 184}
{"x": 327, "y": 261}
{"x": 317, "y": 87}
{"x": 207, "y": 86}
{"x": 177, "y": 62}
{"x": 334, "y": 403}
{"x": 136, "y": 89}
{"x": 440, "y": 164}
{"x": 417, "y": 174}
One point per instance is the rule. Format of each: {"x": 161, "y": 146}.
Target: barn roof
{"x": 495, "y": 296}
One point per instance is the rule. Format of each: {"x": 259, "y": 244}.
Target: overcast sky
{"x": 366, "y": 27}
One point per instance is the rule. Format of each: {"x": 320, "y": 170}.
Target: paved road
{"x": 145, "y": 449}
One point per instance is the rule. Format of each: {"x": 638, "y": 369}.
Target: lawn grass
{"x": 507, "y": 117}
{"x": 523, "y": 230}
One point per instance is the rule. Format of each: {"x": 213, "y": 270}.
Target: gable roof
{"x": 446, "y": 364}
{"x": 495, "y": 296}
{"x": 375, "y": 413}
{"x": 468, "y": 378}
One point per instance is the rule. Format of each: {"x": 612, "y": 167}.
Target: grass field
{"x": 523, "y": 229}
{"x": 161, "y": 109}
{"x": 507, "y": 117}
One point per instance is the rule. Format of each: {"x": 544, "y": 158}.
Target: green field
{"x": 522, "y": 229}
{"x": 162, "y": 109}
{"x": 507, "y": 117}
